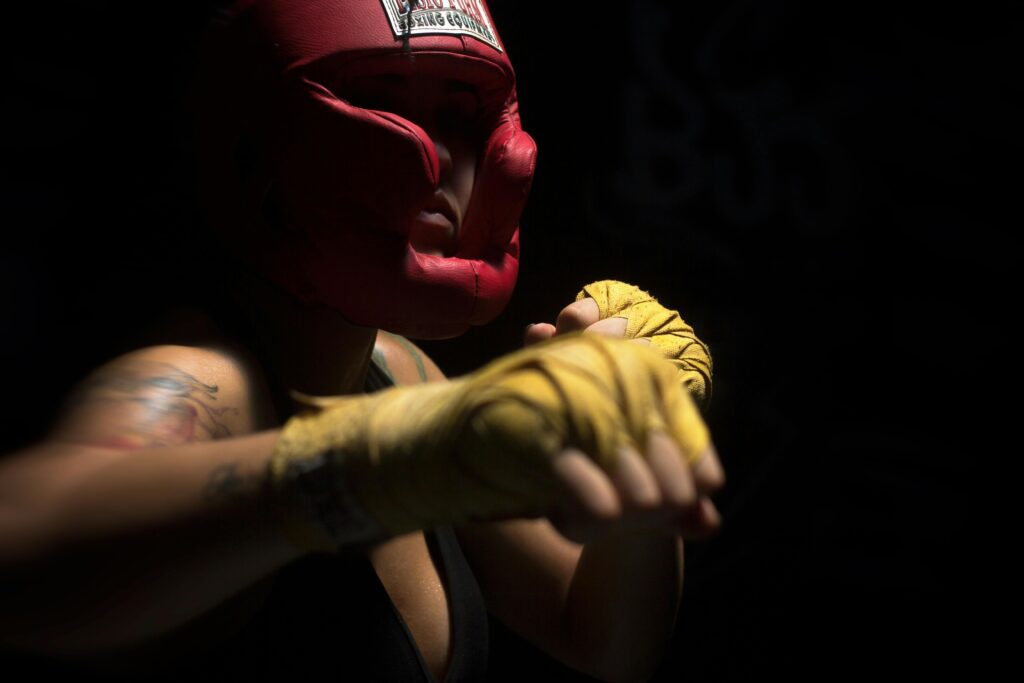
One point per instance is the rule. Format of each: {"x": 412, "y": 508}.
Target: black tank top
{"x": 329, "y": 617}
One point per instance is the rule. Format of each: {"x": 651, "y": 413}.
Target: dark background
{"x": 825, "y": 190}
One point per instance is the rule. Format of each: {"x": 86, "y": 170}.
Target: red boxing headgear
{"x": 319, "y": 194}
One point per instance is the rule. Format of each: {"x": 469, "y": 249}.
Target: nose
{"x": 444, "y": 155}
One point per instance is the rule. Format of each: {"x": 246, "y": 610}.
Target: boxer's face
{"x": 448, "y": 111}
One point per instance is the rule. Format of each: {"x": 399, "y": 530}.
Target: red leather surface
{"x": 346, "y": 182}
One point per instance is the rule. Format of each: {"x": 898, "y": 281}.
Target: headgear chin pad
{"x": 327, "y": 213}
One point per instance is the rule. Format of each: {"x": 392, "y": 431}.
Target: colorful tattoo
{"x": 168, "y": 406}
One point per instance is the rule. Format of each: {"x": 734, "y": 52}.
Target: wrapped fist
{"x": 479, "y": 447}
{"x": 621, "y": 310}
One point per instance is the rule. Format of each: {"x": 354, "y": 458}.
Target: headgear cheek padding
{"x": 322, "y": 164}
{"x": 347, "y": 182}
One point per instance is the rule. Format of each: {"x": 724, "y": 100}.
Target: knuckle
{"x": 680, "y": 498}
{"x": 645, "y": 501}
{"x": 604, "y": 516}
{"x": 708, "y": 473}
{"x": 715, "y": 482}
{"x": 573, "y": 315}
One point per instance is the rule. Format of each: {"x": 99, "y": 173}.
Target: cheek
{"x": 463, "y": 175}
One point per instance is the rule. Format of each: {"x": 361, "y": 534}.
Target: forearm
{"x": 100, "y": 549}
{"x": 622, "y": 603}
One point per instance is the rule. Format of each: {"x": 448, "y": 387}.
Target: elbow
{"x": 620, "y": 665}
{"x": 635, "y": 671}
{"x": 61, "y": 606}
{"x": 626, "y": 675}
{"x": 53, "y": 645}
{"x": 66, "y": 638}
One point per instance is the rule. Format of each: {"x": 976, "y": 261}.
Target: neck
{"x": 318, "y": 352}
{"x": 310, "y": 349}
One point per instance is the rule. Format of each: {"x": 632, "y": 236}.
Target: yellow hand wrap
{"x": 481, "y": 447}
{"x": 668, "y": 333}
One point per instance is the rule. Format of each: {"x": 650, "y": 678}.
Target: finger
{"x": 609, "y": 327}
{"x": 538, "y": 332}
{"x": 589, "y": 502}
{"x": 702, "y": 521}
{"x": 635, "y": 484}
{"x": 686, "y": 425}
{"x": 668, "y": 467}
{"x": 707, "y": 471}
{"x": 577, "y": 316}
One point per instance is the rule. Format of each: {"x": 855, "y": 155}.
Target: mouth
{"x": 435, "y": 228}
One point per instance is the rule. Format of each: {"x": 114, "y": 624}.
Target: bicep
{"x": 525, "y": 568}
{"x": 159, "y": 396}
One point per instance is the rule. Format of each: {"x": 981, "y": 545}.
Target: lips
{"x": 435, "y": 229}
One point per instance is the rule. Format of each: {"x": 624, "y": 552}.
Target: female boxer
{"x": 237, "y": 501}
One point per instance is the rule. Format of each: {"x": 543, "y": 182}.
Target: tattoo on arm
{"x": 412, "y": 351}
{"x": 227, "y": 483}
{"x": 231, "y": 491}
{"x": 382, "y": 363}
{"x": 165, "y": 405}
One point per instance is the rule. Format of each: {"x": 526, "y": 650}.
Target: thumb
{"x": 538, "y": 332}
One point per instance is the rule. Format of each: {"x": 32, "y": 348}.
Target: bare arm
{"x": 606, "y": 607}
{"x": 141, "y": 511}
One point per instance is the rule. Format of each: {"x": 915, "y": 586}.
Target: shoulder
{"x": 404, "y": 361}
{"x": 163, "y": 395}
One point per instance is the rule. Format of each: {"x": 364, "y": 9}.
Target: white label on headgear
{"x": 444, "y": 17}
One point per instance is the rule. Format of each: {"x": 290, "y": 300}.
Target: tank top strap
{"x": 470, "y": 631}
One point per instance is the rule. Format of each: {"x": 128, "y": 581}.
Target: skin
{"x": 445, "y": 109}
{"x": 177, "y": 438}
{"x": 609, "y": 558}
{"x": 645, "y": 491}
